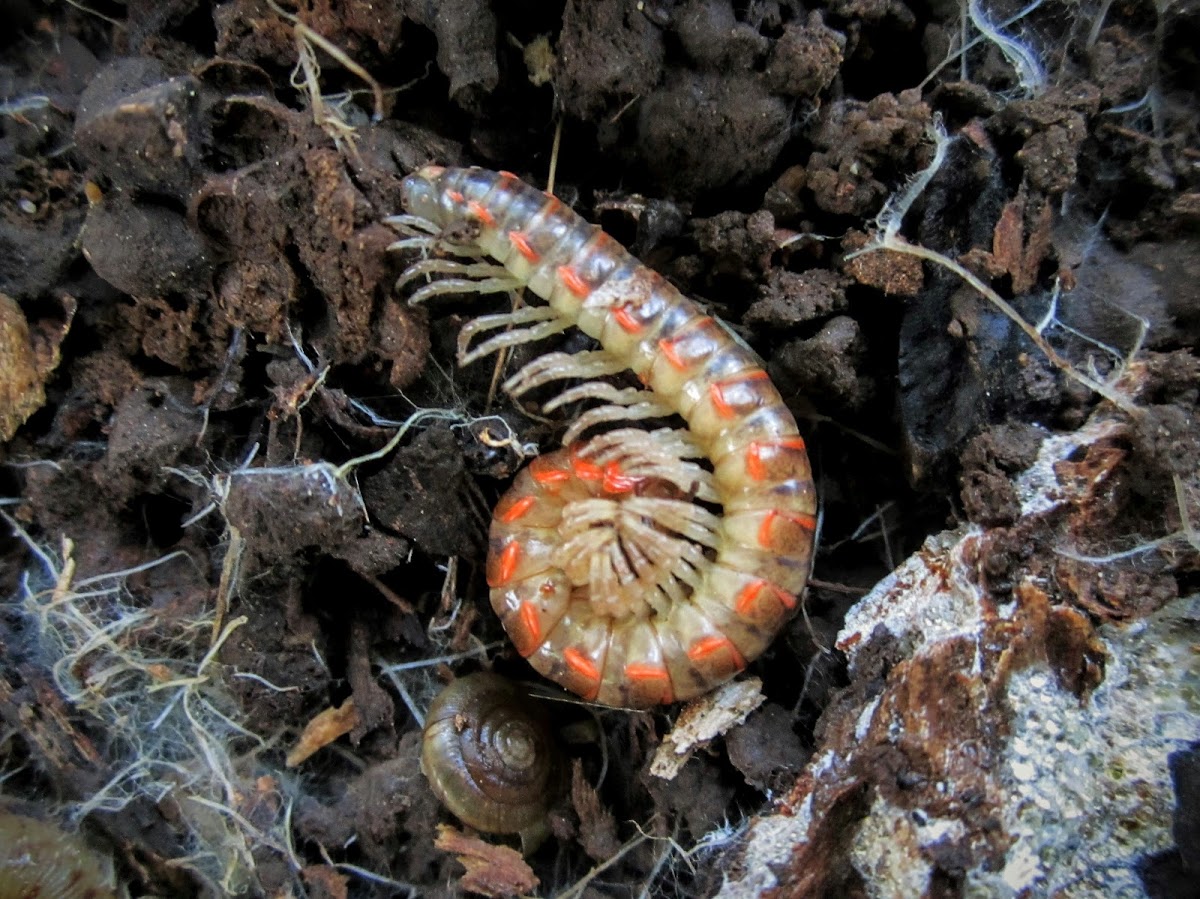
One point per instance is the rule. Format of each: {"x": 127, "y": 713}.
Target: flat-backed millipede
{"x": 638, "y": 566}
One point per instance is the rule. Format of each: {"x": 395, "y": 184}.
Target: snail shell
{"x": 490, "y": 756}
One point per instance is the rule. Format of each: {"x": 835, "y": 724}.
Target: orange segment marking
{"x": 573, "y": 282}
{"x": 455, "y": 195}
{"x": 510, "y": 557}
{"x": 480, "y": 212}
{"x": 707, "y": 646}
{"x": 521, "y": 242}
{"x": 748, "y": 597}
{"x": 585, "y": 470}
{"x": 517, "y": 509}
{"x": 672, "y": 353}
{"x": 581, "y": 664}
{"x": 807, "y": 522}
{"x": 549, "y": 477}
{"x": 669, "y": 345}
{"x": 616, "y": 481}
{"x": 716, "y": 393}
{"x": 624, "y": 317}
{"x": 754, "y": 463}
{"x": 645, "y": 671}
{"x": 529, "y": 620}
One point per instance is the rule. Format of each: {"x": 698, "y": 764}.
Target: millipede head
{"x": 420, "y": 193}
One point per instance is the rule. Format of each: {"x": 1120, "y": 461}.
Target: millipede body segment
{"x": 638, "y": 566}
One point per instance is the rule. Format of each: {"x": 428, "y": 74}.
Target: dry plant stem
{"x": 874, "y": 444}
{"x": 577, "y": 888}
{"x": 834, "y": 587}
{"x": 898, "y": 244}
{"x": 416, "y": 418}
{"x": 303, "y": 32}
{"x": 501, "y": 357}
{"x": 115, "y": 23}
{"x": 889, "y": 221}
{"x": 230, "y": 567}
{"x": 672, "y": 847}
{"x": 171, "y": 725}
{"x": 554, "y": 147}
{"x": 392, "y": 596}
{"x": 481, "y": 650}
{"x": 887, "y": 544}
{"x": 249, "y": 828}
{"x": 1187, "y": 532}
{"x": 413, "y": 709}
{"x": 721, "y": 835}
{"x": 365, "y": 874}
{"x": 961, "y": 53}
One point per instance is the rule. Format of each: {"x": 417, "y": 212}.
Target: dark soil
{"x": 203, "y": 327}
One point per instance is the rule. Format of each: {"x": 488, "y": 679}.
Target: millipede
{"x": 639, "y": 564}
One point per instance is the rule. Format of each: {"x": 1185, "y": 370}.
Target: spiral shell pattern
{"x": 490, "y": 756}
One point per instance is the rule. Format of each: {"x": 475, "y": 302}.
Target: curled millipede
{"x": 639, "y": 566}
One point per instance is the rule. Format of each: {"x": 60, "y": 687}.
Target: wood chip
{"x": 704, "y": 719}
{"x": 491, "y": 870}
{"x": 21, "y": 389}
{"x": 1008, "y": 237}
{"x": 28, "y": 356}
{"x": 323, "y": 730}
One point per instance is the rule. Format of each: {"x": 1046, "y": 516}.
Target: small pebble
{"x": 27, "y": 206}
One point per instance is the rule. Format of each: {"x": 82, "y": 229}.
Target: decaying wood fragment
{"x": 703, "y": 721}
{"x": 491, "y": 870}
{"x": 322, "y": 730}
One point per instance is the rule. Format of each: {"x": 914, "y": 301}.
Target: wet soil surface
{"x": 201, "y": 354}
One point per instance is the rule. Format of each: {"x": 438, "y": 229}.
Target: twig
{"x": 577, "y": 888}
{"x": 303, "y": 32}
{"x": 888, "y": 237}
{"x": 116, "y": 23}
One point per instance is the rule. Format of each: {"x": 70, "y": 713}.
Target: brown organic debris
{"x": 491, "y": 870}
{"x": 1020, "y": 244}
{"x": 322, "y": 730}
{"x": 597, "y": 826}
{"x": 703, "y": 720}
{"x": 892, "y": 273}
{"x": 325, "y": 881}
{"x": 27, "y": 357}
{"x": 21, "y": 392}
